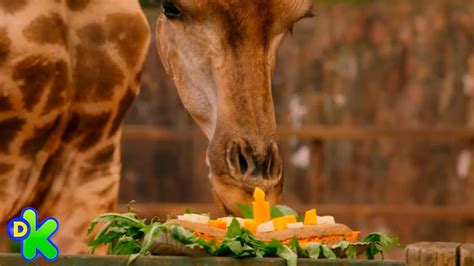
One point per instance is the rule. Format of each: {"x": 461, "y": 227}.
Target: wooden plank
{"x": 442, "y": 213}
{"x": 314, "y": 182}
{"x": 150, "y": 133}
{"x": 470, "y": 188}
{"x": 370, "y": 133}
{"x": 467, "y": 255}
{"x": 413, "y": 253}
{"x": 432, "y": 254}
{"x": 9, "y": 259}
{"x": 470, "y": 180}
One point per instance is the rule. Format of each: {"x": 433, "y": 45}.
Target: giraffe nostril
{"x": 274, "y": 163}
{"x": 243, "y": 163}
{"x": 243, "y": 160}
{"x": 239, "y": 157}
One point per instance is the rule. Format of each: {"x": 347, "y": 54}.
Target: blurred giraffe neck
{"x": 69, "y": 71}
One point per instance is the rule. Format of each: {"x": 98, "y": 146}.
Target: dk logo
{"x": 34, "y": 238}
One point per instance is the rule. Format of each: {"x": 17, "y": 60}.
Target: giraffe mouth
{"x": 230, "y": 193}
{"x": 226, "y": 210}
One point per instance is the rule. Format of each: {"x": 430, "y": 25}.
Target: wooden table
{"x": 418, "y": 254}
{"x": 16, "y": 260}
{"x": 440, "y": 254}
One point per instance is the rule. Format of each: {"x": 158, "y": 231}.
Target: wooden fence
{"x": 317, "y": 136}
{"x": 382, "y": 92}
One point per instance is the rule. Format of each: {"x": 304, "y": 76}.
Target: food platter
{"x": 262, "y": 231}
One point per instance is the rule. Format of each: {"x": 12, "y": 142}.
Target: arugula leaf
{"x": 313, "y": 250}
{"x": 286, "y": 253}
{"x": 275, "y": 211}
{"x": 234, "y": 229}
{"x": 379, "y": 243}
{"x": 132, "y": 258}
{"x": 351, "y": 252}
{"x": 343, "y": 245}
{"x": 113, "y": 233}
{"x": 125, "y": 245}
{"x": 259, "y": 253}
{"x": 235, "y": 247}
{"x": 295, "y": 246}
{"x": 152, "y": 232}
{"x": 181, "y": 234}
{"x": 187, "y": 238}
{"x": 246, "y": 210}
{"x": 328, "y": 253}
{"x": 281, "y": 210}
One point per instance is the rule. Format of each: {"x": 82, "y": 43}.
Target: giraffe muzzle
{"x": 246, "y": 161}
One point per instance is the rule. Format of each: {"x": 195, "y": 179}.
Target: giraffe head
{"x": 221, "y": 55}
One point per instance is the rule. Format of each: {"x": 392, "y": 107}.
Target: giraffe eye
{"x": 170, "y": 10}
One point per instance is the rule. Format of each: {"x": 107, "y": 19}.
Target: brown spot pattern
{"x": 243, "y": 22}
{"x": 92, "y": 174}
{"x": 5, "y": 168}
{"x": 123, "y": 107}
{"x": 233, "y": 28}
{"x": 87, "y": 127}
{"x": 5, "y": 44}
{"x": 32, "y": 146}
{"x": 3, "y": 188}
{"x": 50, "y": 170}
{"x": 47, "y": 29}
{"x": 87, "y": 174}
{"x": 73, "y": 127}
{"x": 95, "y": 74}
{"x": 107, "y": 189}
{"x": 9, "y": 129}
{"x": 59, "y": 90}
{"x": 92, "y": 34}
{"x": 32, "y": 75}
{"x": 5, "y": 104}
{"x": 94, "y": 136}
{"x": 129, "y": 33}
{"x": 77, "y": 5}
{"x": 12, "y": 6}
{"x": 103, "y": 156}
{"x": 23, "y": 179}
{"x": 138, "y": 77}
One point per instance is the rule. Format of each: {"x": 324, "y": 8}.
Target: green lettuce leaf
{"x": 275, "y": 211}
{"x": 281, "y": 210}
{"x": 328, "y": 253}
{"x": 286, "y": 253}
{"x": 246, "y": 210}
{"x": 234, "y": 229}
{"x": 313, "y": 250}
{"x": 351, "y": 252}
{"x": 380, "y": 243}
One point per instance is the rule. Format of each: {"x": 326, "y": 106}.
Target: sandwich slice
{"x": 327, "y": 234}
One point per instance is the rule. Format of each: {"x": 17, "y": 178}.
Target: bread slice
{"x": 200, "y": 228}
{"x": 328, "y": 234}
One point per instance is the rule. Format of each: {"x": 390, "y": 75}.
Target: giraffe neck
{"x": 69, "y": 71}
